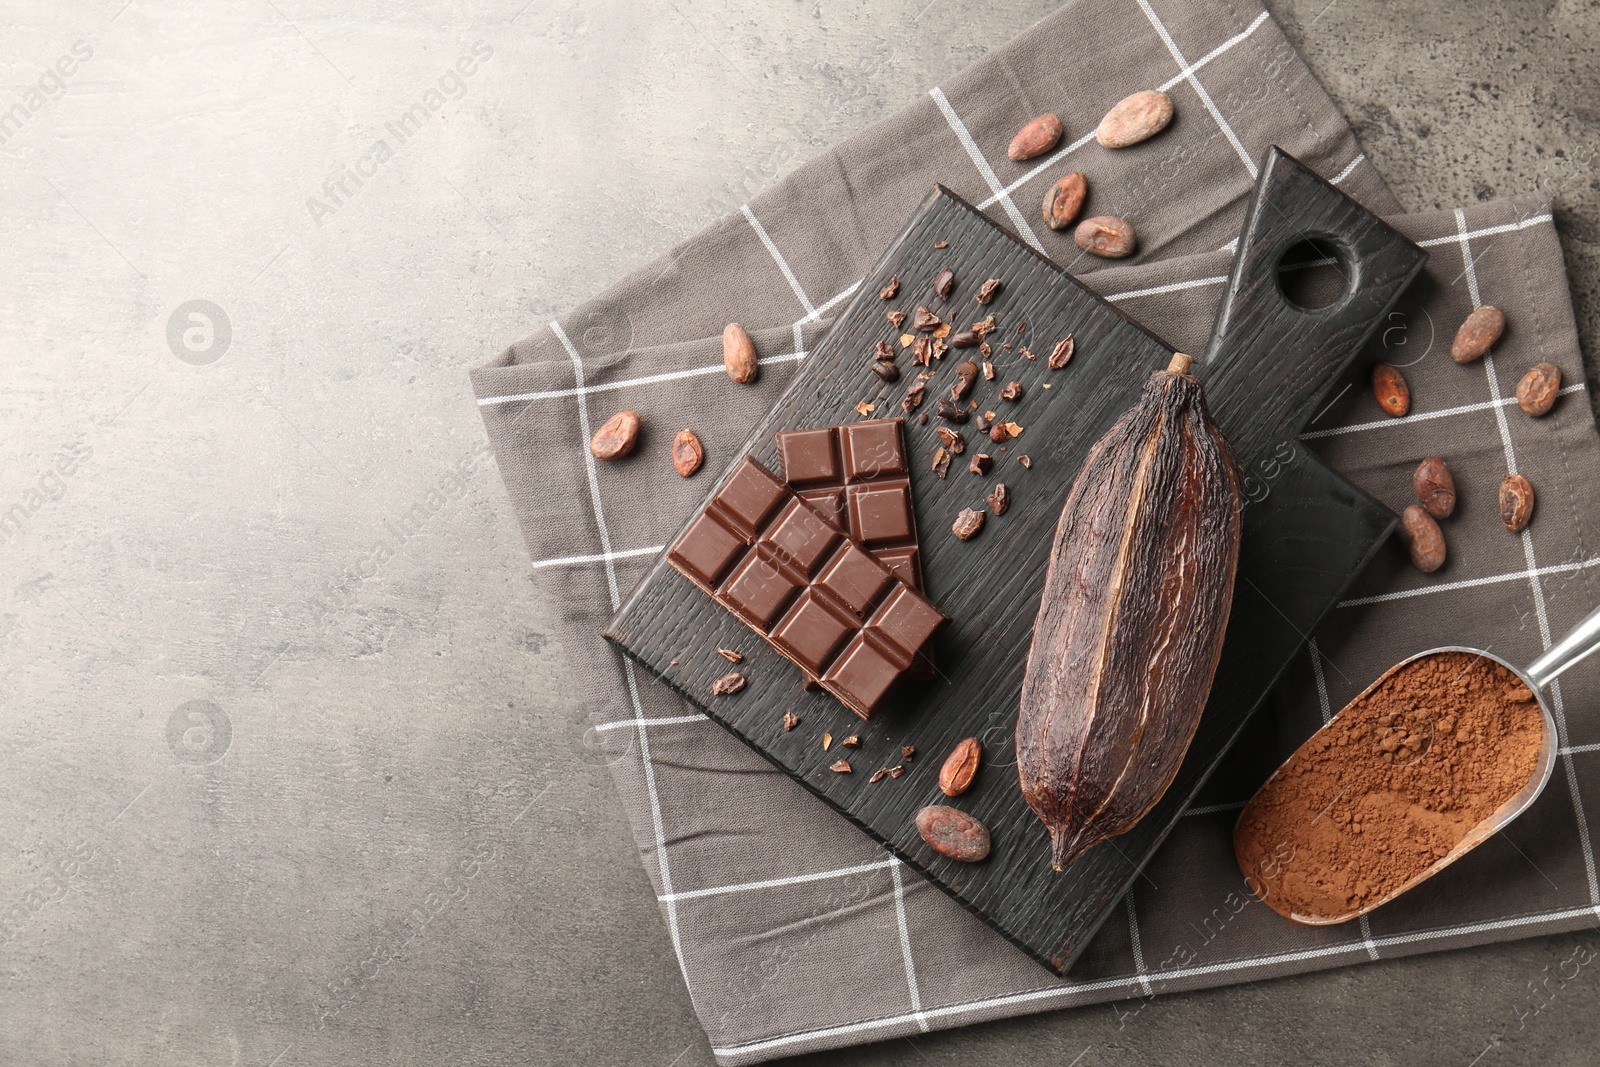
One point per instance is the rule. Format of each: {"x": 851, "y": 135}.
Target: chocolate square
{"x": 904, "y": 563}
{"x": 800, "y": 538}
{"x": 880, "y": 514}
{"x": 749, "y": 498}
{"x": 808, "y": 457}
{"x": 813, "y": 630}
{"x": 863, "y": 672}
{"x": 873, "y": 450}
{"x": 907, "y": 622}
{"x": 759, "y": 590}
{"x": 855, "y": 579}
{"x": 828, "y": 501}
{"x": 706, "y": 550}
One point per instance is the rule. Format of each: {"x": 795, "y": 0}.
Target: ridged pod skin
{"x": 1132, "y": 618}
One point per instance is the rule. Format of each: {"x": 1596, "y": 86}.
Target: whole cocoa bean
{"x": 1435, "y": 486}
{"x": 1477, "y": 334}
{"x": 1516, "y": 502}
{"x": 1134, "y": 119}
{"x": 1107, "y": 236}
{"x": 1390, "y": 389}
{"x": 739, "y": 354}
{"x": 1537, "y": 392}
{"x": 953, "y": 833}
{"x": 1064, "y": 199}
{"x": 687, "y": 452}
{"x": 960, "y": 767}
{"x": 617, "y": 436}
{"x": 964, "y": 339}
{"x": 1035, "y": 139}
{"x": 1424, "y": 539}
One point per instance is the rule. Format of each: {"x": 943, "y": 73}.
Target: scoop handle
{"x": 1581, "y": 641}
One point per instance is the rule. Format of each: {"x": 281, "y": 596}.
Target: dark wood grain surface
{"x": 1307, "y": 533}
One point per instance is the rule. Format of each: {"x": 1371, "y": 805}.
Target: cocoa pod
{"x": 1107, "y": 236}
{"x": 1130, "y": 624}
{"x": 1477, "y": 334}
{"x": 1435, "y": 487}
{"x": 617, "y": 436}
{"x": 1424, "y": 539}
{"x": 1064, "y": 199}
{"x": 687, "y": 452}
{"x": 953, "y": 833}
{"x": 1537, "y": 392}
{"x": 1035, "y": 139}
{"x": 1516, "y": 502}
{"x": 1390, "y": 389}
{"x": 739, "y": 354}
{"x": 1135, "y": 118}
{"x": 960, "y": 767}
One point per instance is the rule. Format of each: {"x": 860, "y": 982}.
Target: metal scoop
{"x": 1583, "y": 640}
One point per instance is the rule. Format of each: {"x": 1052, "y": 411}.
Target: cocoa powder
{"x": 1390, "y": 786}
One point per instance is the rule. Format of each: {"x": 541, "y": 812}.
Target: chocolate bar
{"x": 858, "y": 477}
{"x": 818, "y": 597}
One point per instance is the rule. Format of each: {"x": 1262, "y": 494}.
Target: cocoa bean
{"x": 1135, "y": 118}
{"x": 687, "y": 452}
{"x": 739, "y": 354}
{"x": 887, "y": 371}
{"x": 964, "y": 339}
{"x": 1435, "y": 487}
{"x": 1478, "y": 334}
{"x": 1064, "y": 199}
{"x": 617, "y": 436}
{"x": 953, "y": 833}
{"x": 967, "y": 524}
{"x": 944, "y": 283}
{"x": 1537, "y": 392}
{"x": 1390, "y": 389}
{"x": 1035, "y": 139}
{"x": 1424, "y": 539}
{"x": 960, "y": 767}
{"x": 1107, "y": 236}
{"x": 1516, "y": 502}
{"x": 966, "y": 375}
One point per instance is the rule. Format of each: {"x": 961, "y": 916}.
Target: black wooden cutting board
{"x": 1307, "y": 532}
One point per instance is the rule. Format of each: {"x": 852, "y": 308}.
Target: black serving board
{"x": 1307, "y": 532}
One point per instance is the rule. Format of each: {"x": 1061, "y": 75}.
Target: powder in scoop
{"x": 1390, "y": 785}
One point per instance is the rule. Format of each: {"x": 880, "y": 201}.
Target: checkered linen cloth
{"x": 796, "y": 932}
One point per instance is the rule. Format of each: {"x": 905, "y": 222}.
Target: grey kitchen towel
{"x": 794, "y": 931}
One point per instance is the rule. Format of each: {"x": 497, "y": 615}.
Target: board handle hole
{"x": 1314, "y": 273}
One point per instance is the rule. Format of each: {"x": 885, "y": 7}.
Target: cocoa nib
{"x": 987, "y": 290}
{"x": 999, "y": 498}
{"x": 887, "y": 371}
{"x": 967, "y": 524}
{"x": 883, "y": 350}
{"x": 878, "y": 775}
{"x": 982, "y": 463}
{"x": 897, "y": 318}
{"x": 730, "y": 655}
{"x": 944, "y": 283}
{"x": 728, "y": 684}
{"x": 925, "y": 320}
{"x": 917, "y": 392}
{"x": 952, "y": 440}
{"x": 1061, "y": 355}
{"x": 964, "y": 339}
{"x": 966, "y": 374}
{"x": 790, "y": 720}
{"x": 951, "y": 412}
{"x": 840, "y": 766}
{"x": 1026, "y": 460}
{"x": 888, "y": 292}
{"x": 907, "y": 751}
{"x": 941, "y": 461}
{"x": 1012, "y": 391}
{"x": 922, "y": 352}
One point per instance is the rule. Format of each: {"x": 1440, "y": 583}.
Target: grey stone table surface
{"x": 287, "y": 772}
